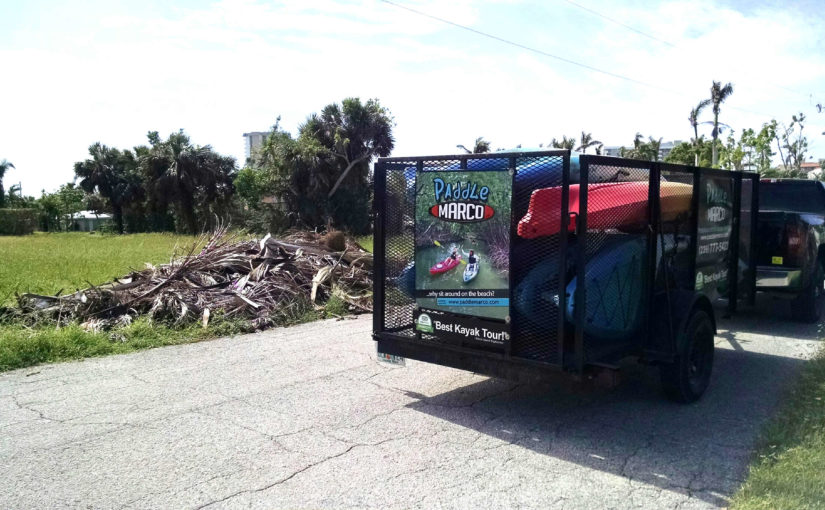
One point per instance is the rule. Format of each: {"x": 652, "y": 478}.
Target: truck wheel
{"x": 687, "y": 378}
{"x": 804, "y": 308}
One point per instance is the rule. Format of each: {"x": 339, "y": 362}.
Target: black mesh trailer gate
{"x": 525, "y": 264}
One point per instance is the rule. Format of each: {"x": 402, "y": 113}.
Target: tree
{"x": 718, "y": 95}
{"x": 480, "y": 146}
{"x": 693, "y": 118}
{"x": 112, "y": 174}
{"x": 353, "y": 133}
{"x": 761, "y": 146}
{"x": 795, "y": 145}
{"x": 686, "y": 153}
{"x": 189, "y": 176}
{"x": 70, "y": 197}
{"x": 733, "y": 153}
{"x": 587, "y": 141}
{"x": 4, "y": 167}
{"x": 565, "y": 143}
{"x": 648, "y": 151}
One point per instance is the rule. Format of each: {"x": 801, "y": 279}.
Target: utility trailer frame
{"x": 672, "y": 274}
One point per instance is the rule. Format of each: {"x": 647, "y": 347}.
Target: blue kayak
{"x": 614, "y": 289}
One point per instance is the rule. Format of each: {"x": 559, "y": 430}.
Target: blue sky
{"x": 111, "y": 71}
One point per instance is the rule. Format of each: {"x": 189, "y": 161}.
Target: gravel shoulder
{"x": 305, "y": 417}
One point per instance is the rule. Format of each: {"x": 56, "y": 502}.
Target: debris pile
{"x": 261, "y": 281}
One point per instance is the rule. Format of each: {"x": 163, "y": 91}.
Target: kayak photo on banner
{"x": 462, "y": 242}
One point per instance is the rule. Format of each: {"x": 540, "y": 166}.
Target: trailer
{"x": 533, "y": 264}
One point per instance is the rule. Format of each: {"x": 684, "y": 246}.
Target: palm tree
{"x": 112, "y": 174}
{"x": 587, "y": 141}
{"x": 693, "y": 118}
{"x": 479, "y": 147}
{"x": 4, "y": 167}
{"x": 565, "y": 143}
{"x": 718, "y": 94}
{"x": 187, "y": 174}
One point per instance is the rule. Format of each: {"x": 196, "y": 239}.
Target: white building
{"x": 253, "y": 141}
{"x": 88, "y": 221}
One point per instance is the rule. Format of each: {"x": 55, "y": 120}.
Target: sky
{"x": 110, "y": 71}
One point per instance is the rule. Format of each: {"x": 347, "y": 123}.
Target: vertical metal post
{"x": 694, "y": 228}
{"x": 581, "y": 262}
{"x": 379, "y": 248}
{"x": 563, "y": 233}
{"x": 752, "y": 261}
{"x": 733, "y": 249}
{"x": 653, "y": 224}
{"x": 508, "y": 346}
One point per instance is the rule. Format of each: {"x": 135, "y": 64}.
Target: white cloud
{"x": 235, "y": 65}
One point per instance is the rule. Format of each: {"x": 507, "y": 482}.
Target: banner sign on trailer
{"x": 715, "y": 224}
{"x": 462, "y": 329}
{"x": 462, "y": 246}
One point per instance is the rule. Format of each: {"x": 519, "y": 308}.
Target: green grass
{"x": 401, "y": 245}
{"x": 47, "y": 263}
{"x": 789, "y": 468}
{"x": 22, "y": 347}
{"x": 365, "y": 242}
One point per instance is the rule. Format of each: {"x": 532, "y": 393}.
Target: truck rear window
{"x": 804, "y": 197}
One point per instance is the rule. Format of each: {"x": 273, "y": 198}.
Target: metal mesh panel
{"x": 674, "y": 256}
{"x": 674, "y": 243}
{"x": 399, "y": 273}
{"x": 615, "y": 258}
{"x": 535, "y": 261}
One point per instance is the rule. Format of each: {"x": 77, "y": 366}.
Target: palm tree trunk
{"x": 345, "y": 173}
{"x": 714, "y": 150}
{"x": 2, "y": 195}
{"x": 117, "y": 211}
{"x": 695, "y": 145}
{"x": 188, "y": 212}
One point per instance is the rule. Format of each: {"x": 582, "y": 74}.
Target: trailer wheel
{"x": 805, "y": 307}
{"x": 687, "y": 378}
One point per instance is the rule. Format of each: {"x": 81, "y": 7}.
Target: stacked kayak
{"x": 614, "y": 289}
{"x": 609, "y": 205}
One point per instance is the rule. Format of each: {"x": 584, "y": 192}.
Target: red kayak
{"x": 443, "y": 267}
{"x": 609, "y": 205}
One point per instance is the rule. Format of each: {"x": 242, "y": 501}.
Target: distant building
{"x": 88, "y": 221}
{"x": 664, "y": 149}
{"x": 253, "y": 141}
{"x": 812, "y": 169}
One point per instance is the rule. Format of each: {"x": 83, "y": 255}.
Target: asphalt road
{"x": 305, "y": 417}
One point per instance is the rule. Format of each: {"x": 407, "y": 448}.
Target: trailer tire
{"x": 805, "y": 307}
{"x": 687, "y": 377}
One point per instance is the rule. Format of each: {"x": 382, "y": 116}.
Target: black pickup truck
{"x": 790, "y": 236}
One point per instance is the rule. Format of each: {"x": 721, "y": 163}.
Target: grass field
{"x": 47, "y": 263}
{"x": 788, "y": 471}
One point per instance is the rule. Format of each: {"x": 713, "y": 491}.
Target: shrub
{"x": 17, "y": 222}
